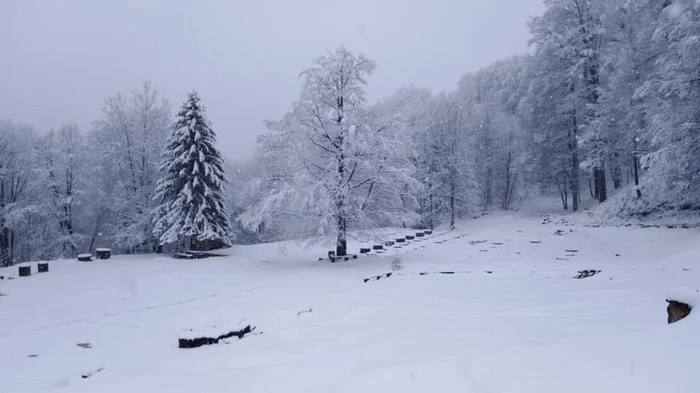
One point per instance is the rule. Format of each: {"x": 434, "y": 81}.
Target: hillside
{"x": 512, "y": 317}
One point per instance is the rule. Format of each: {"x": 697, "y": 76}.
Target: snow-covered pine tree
{"x": 191, "y": 207}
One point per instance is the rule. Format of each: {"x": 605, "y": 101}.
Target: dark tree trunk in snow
{"x": 573, "y": 148}
{"x": 601, "y": 191}
{"x": 616, "y": 173}
{"x": 636, "y": 169}
{"x": 452, "y": 207}
{"x": 564, "y": 192}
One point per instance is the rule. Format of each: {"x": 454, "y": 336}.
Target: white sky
{"x": 59, "y": 59}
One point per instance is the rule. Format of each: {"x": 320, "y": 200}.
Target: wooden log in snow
{"x": 200, "y": 341}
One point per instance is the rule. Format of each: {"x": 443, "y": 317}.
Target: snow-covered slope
{"x": 511, "y": 319}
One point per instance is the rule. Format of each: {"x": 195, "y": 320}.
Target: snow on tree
{"x": 334, "y": 165}
{"x": 675, "y": 119}
{"x": 569, "y": 37}
{"x": 15, "y": 189}
{"x": 490, "y": 98}
{"x": 191, "y": 206}
{"x": 129, "y": 139}
{"x": 62, "y": 167}
{"x": 447, "y": 160}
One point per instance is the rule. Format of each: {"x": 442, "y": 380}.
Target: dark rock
{"x": 677, "y": 310}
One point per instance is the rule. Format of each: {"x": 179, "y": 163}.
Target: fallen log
{"x": 200, "y": 341}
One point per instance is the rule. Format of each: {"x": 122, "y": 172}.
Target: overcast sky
{"x": 59, "y": 59}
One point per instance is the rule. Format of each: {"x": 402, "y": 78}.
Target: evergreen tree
{"x": 189, "y": 194}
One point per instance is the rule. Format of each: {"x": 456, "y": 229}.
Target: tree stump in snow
{"x": 677, "y": 310}
{"x": 43, "y": 267}
{"x": 103, "y": 253}
{"x": 25, "y": 271}
{"x": 85, "y": 257}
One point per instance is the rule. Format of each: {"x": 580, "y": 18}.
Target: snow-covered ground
{"x": 511, "y": 319}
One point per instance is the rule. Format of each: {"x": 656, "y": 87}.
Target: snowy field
{"x": 511, "y": 319}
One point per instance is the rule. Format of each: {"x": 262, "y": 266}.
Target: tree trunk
{"x": 635, "y": 157}
{"x": 573, "y": 148}
{"x": 96, "y": 231}
{"x": 452, "y": 207}
{"x": 601, "y": 190}
{"x": 341, "y": 248}
{"x": 564, "y": 193}
{"x": 432, "y": 212}
{"x": 616, "y": 173}
{"x": 506, "y": 193}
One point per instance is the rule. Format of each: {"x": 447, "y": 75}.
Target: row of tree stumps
{"x": 379, "y": 248}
